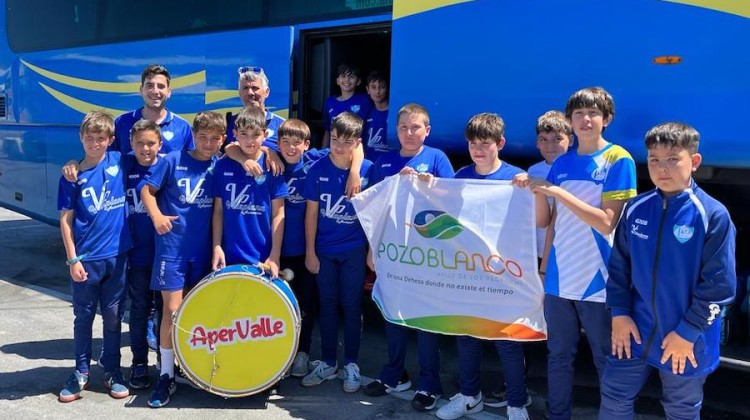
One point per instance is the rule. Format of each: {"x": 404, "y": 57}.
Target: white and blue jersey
{"x": 505, "y": 172}
{"x": 338, "y": 227}
{"x": 577, "y": 268}
{"x": 428, "y": 160}
{"x": 295, "y": 205}
{"x": 185, "y": 190}
{"x": 375, "y": 134}
{"x": 359, "y": 104}
{"x": 176, "y": 133}
{"x": 141, "y": 226}
{"x": 673, "y": 269}
{"x": 273, "y": 122}
{"x": 246, "y": 204}
{"x": 100, "y": 226}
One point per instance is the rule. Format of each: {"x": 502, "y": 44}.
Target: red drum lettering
{"x": 241, "y": 330}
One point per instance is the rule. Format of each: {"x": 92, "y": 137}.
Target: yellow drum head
{"x": 236, "y": 334}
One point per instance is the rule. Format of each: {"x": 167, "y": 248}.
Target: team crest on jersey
{"x": 422, "y": 167}
{"x": 355, "y": 108}
{"x": 260, "y": 179}
{"x": 168, "y": 135}
{"x": 683, "y": 233}
{"x": 269, "y": 133}
{"x": 599, "y": 174}
{"x": 112, "y": 170}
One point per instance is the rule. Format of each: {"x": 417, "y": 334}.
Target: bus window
{"x": 41, "y": 24}
{"x": 287, "y": 11}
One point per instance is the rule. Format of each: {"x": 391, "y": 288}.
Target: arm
{"x": 70, "y": 170}
{"x": 277, "y": 235}
{"x": 543, "y": 214}
{"x": 77, "y": 272}
{"x": 311, "y": 227}
{"x": 549, "y": 237}
{"x": 353, "y": 182}
{"x": 218, "y": 260}
{"x": 233, "y": 151}
{"x": 273, "y": 161}
{"x": 162, "y": 223}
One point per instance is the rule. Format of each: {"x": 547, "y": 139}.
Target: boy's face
{"x": 250, "y": 140}
{"x": 552, "y": 144}
{"x": 207, "y": 143}
{"x": 292, "y": 148}
{"x": 588, "y": 123}
{"x": 671, "y": 168}
{"x": 347, "y": 82}
{"x": 253, "y": 93}
{"x": 484, "y": 152}
{"x": 343, "y": 146}
{"x": 378, "y": 91}
{"x": 155, "y": 91}
{"x": 95, "y": 143}
{"x": 412, "y": 132}
{"x": 146, "y": 145}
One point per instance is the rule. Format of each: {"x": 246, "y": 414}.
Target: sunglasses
{"x": 245, "y": 69}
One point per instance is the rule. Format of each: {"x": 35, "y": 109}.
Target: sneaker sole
{"x": 327, "y": 378}
{"x": 158, "y": 404}
{"x": 71, "y": 398}
{"x": 428, "y": 408}
{"x": 400, "y": 387}
{"x": 478, "y": 408}
{"x": 502, "y": 404}
{"x": 119, "y": 395}
{"x": 299, "y": 374}
{"x": 351, "y": 389}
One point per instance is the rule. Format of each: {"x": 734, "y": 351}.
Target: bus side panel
{"x": 23, "y": 178}
{"x": 520, "y": 61}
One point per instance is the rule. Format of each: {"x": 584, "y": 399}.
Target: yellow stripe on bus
{"x": 734, "y": 7}
{"x": 403, "y": 8}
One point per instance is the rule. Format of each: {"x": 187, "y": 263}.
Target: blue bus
{"x": 661, "y": 59}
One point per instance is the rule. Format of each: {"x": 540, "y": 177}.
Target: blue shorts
{"x": 170, "y": 276}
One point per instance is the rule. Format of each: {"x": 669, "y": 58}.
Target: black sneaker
{"x": 498, "y": 399}
{"x": 424, "y": 401}
{"x": 377, "y": 388}
{"x": 139, "y": 378}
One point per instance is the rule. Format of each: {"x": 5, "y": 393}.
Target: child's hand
{"x": 406, "y": 170}
{"x": 541, "y": 186}
{"x": 163, "y": 224}
{"x": 312, "y": 263}
{"x": 218, "y": 261}
{"x": 680, "y": 350}
{"x": 273, "y": 267}
{"x": 622, "y": 328}
{"x": 521, "y": 180}
{"x": 426, "y": 177}
{"x": 353, "y": 184}
{"x": 370, "y": 260}
{"x": 274, "y": 163}
{"x": 70, "y": 171}
{"x": 78, "y": 273}
{"x": 251, "y": 166}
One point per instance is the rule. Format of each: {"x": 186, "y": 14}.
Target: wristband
{"x": 76, "y": 259}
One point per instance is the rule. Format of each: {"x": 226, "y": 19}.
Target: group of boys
{"x": 682, "y": 239}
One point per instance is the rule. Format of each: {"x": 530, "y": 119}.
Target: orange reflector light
{"x": 668, "y": 59}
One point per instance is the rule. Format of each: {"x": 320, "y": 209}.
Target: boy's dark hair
{"x": 673, "y": 135}
{"x": 345, "y": 69}
{"x": 591, "y": 97}
{"x": 347, "y": 125}
{"x": 376, "y": 76}
{"x": 294, "y": 128}
{"x": 145, "y": 125}
{"x": 98, "y": 122}
{"x": 414, "y": 109}
{"x": 209, "y": 120}
{"x": 553, "y": 122}
{"x": 485, "y": 126}
{"x": 154, "y": 69}
{"x": 250, "y": 118}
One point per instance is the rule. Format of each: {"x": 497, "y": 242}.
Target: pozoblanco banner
{"x": 455, "y": 256}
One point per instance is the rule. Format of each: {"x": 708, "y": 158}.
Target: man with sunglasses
{"x": 253, "y": 90}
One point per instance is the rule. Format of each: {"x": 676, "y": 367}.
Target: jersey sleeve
{"x": 160, "y": 172}
{"x": 67, "y": 194}
{"x": 620, "y": 183}
{"x": 278, "y": 189}
{"x": 310, "y": 192}
{"x": 443, "y": 167}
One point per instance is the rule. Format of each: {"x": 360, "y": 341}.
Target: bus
{"x": 663, "y": 60}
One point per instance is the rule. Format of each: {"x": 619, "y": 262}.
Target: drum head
{"x": 236, "y": 333}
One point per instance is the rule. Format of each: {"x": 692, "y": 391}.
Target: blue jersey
{"x": 175, "y": 132}
{"x": 428, "y": 160}
{"x": 100, "y": 225}
{"x": 141, "y": 226}
{"x": 338, "y": 226}
{"x": 273, "y": 122}
{"x": 505, "y": 172}
{"x": 672, "y": 269}
{"x": 577, "y": 267}
{"x": 246, "y": 206}
{"x": 294, "y": 208}
{"x": 186, "y": 191}
{"x": 374, "y": 134}
{"x": 358, "y": 104}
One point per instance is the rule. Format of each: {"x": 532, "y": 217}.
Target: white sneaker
{"x": 301, "y": 365}
{"x": 352, "y": 380}
{"x": 461, "y": 405}
{"x": 321, "y": 372}
{"x": 517, "y": 413}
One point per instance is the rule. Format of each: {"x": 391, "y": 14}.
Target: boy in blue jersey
{"x": 93, "y": 223}
{"x": 254, "y": 88}
{"x": 672, "y": 269}
{"x": 486, "y": 136}
{"x": 181, "y": 215}
{"x": 155, "y": 91}
{"x": 590, "y": 185}
{"x": 348, "y": 101}
{"x": 335, "y": 250}
{"x": 413, "y": 127}
{"x": 376, "y": 124}
{"x": 248, "y": 217}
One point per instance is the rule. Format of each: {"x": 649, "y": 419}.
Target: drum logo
{"x": 264, "y": 328}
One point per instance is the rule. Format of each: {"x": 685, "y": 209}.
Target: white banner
{"x": 456, "y": 256}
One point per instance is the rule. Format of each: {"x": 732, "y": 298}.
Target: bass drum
{"x": 236, "y": 333}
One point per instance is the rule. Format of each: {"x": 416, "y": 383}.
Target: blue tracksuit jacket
{"x": 672, "y": 267}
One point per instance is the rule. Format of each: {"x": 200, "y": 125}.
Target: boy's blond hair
{"x": 250, "y": 118}
{"x": 415, "y": 109}
{"x": 98, "y": 122}
{"x": 209, "y": 120}
{"x": 485, "y": 126}
{"x": 553, "y": 122}
{"x": 294, "y": 128}
{"x": 347, "y": 125}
